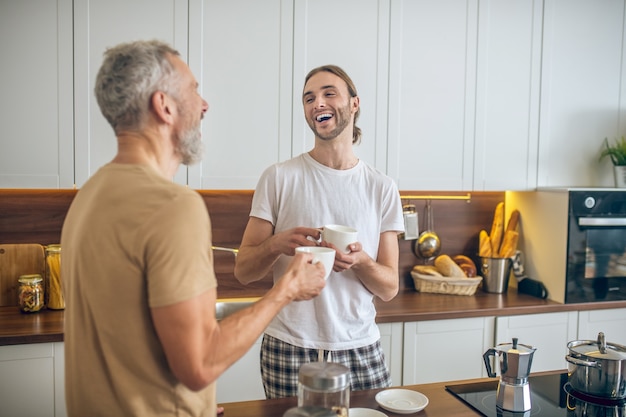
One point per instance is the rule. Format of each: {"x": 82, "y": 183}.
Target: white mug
{"x": 340, "y": 236}
{"x": 320, "y": 254}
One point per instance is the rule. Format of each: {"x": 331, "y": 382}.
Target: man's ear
{"x": 162, "y": 104}
{"x": 356, "y": 102}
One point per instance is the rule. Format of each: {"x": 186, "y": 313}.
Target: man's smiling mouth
{"x": 323, "y": 117}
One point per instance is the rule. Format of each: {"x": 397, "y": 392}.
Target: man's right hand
{"x": 303, "y": 279}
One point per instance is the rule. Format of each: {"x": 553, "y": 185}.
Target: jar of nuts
{"x": 30, "y": 293}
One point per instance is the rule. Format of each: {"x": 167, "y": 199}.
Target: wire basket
{"x": 445, "y": 285}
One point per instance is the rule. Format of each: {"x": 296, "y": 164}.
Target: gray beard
{"x": 190, "y": 146}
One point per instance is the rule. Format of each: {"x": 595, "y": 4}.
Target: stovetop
{"x": 550, "y": 396}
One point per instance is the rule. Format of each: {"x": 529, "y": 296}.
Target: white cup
{"x": 320, "y": 254}
{"x": 340, "y": 236}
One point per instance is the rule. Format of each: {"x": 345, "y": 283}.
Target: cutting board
{"x": 15, "y": 260}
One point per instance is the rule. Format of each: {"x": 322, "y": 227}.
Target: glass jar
{"x": 30, "y": 293}
{"x": 326, "y": 385}
{"x": 309, "y": 412}
{"x": 54, "y": 294}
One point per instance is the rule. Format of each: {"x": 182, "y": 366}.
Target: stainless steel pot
{"x": 597, "y": 368}
{"x": 583, "y": 405}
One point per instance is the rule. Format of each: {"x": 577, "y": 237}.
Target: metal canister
{"x": 411, "y": 229}
{"x": 54, "y": 294}
{"x": 30, "y": 293}
{"x": 325, "y": 385}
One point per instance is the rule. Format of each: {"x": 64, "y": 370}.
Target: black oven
{"x": 596, "y": 246}
{"x": 573, "y": 240}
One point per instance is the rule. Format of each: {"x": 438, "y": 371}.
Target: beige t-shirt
{"x": 131, "y": 240}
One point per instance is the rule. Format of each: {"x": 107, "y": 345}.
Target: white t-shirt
{"x": 301, "y": 192}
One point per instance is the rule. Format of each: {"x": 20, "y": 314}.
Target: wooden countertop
{"x": 410, "y": 305}
{"x": 47, "y": 325}
{"x": 440, "y": 402}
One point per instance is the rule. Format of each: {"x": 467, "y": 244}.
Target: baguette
{"x": 497, "y": 228}
{"x": 484, "y": 245}
{"x": 513, "y": 220}
{"x": 448, "y": 267}
{"x": 509, "y": 244}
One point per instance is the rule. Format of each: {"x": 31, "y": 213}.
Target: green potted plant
{"x": 617, "y": 153}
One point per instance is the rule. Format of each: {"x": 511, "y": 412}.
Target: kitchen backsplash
{"x": 36, "y": 216}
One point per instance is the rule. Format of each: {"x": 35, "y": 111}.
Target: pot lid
{"x": 598, "y": 349}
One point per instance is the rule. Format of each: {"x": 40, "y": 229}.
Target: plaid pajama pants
{"x": 281, "y": 361}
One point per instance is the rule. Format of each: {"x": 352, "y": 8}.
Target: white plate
{"x": 402, "y": 401}
{"x": 365, "y": 412}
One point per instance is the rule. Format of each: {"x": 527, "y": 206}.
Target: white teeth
{"x": 323, "y": 117}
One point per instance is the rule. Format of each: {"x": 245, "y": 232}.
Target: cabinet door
{"x": 100, "y": 24}
{"x": 245, "y": 75}
{"x": 242, "y": 381}
{"x": 353, "y": 34}
{"x": 507, "y": 94}
{"x": 582, "y": 98}
{"x": 549, "y": 333}
{"x": 59, "y": 379}
{"x": 391, "y": 335}
{"x": 446, "y": 350}
{"x": 432, "y": 93}
{"x": 36, "y": 110}
{"x": 27, "y": 380}
{"x": 611, "y": 322}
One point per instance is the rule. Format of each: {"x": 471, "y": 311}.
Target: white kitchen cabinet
{"x": 432, "y": 71}
{"x": 583, "y": 91}
{"x": 391, "y": 337}
{"x": 548, "y": 332}
{"x": 353, "y": 34}
{"x": 245, "y": 75}
{"x": 100, "y": 24}
{"x": 507, "y": 95}
{"x": 242, "y": 381}
{"x": 464, "y": 94}
{"x": 455, "y": 94}
{"x": 36, "y": 84}
{"x": 31, "y": 380}
{"x": 611, "y": 322}
{"x": 446, "y": 350}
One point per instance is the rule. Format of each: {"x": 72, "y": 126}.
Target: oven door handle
{"x": 602, "y": 221}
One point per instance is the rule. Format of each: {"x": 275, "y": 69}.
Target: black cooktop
{"x": 549, "y": 397}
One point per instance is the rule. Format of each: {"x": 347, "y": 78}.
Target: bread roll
{"x": 427, "y": 270}
{"x": 497, "y": 229}
{"x": 448, "y": 267}
{"x": 467, "y": 265}
{"x": 484, "y": 245}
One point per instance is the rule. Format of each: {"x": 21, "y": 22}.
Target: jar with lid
{"x": 326, "y": 385}
{"x": 30, "y": 293}
{"x": 54, "y": 294}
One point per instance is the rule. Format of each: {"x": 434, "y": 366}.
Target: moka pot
{"x": 515, "y": 361}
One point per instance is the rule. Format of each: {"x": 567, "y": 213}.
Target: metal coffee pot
{"x": 515, "y": 361}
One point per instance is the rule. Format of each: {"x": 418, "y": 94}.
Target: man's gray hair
{"x": 130, "y": 74}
